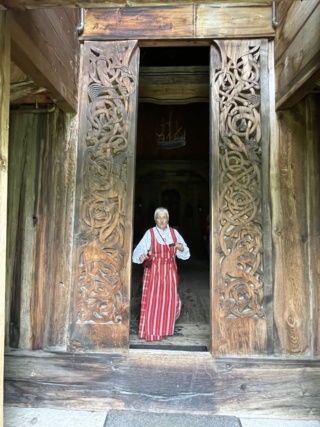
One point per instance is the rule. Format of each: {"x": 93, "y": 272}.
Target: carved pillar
{"x": 105, "y": 177}
{"x": 240, "y": 141}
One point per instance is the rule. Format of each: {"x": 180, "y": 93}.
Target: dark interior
{"x": 176, "y": 178}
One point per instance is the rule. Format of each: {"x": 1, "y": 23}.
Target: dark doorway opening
{"x": 176, "y": 177}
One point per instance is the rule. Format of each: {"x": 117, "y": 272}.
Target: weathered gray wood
{"x": 295, "y": 235}
{"x": 267, "y": 122}
{"x": 4, "y": 141}
{"x": 312, "y": 106}
{"x": 292, "y": 16}
{"x": 298, "y": 68}
{"x": 164, "y": 381}
{"x": 41, "y": 51}
{"x": 178, "y": 22}
{"x": 40, "y": 225}
{"x": 25, "y": 133}
{"x": 22, "y": 89}
{"x": 54, "y": 231}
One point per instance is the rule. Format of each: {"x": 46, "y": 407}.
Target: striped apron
{"x": 161, "y": 303}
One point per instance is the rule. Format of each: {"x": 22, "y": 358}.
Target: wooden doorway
{"x": 176, "y": 178}
{"x": 240, "y": 260}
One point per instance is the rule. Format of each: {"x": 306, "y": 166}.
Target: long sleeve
{"x": 142, "y": 248}
{"x": 185, "y": 254}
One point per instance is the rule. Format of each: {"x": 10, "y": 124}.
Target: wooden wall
{"x": 297, "y": 50}
{"x": 295, "y": 181}
{"x": 40, "y": 223}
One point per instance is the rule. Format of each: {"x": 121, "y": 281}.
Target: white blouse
{"x": 145, "y": 243}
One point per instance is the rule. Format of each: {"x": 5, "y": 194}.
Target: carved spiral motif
{"x": 237, "y": 83}
{"x": 101, "y": 254}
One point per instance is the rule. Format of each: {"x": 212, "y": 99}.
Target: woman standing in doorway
{"x": 161, "y": 303}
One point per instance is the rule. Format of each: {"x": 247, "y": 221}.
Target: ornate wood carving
{"x": 237, "y": 87}
{"x": 100, "y": 259}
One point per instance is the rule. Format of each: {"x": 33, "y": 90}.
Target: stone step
{"x": 118, "y": 418}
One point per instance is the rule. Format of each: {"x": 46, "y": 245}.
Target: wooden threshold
{"x": 164, "y": 381}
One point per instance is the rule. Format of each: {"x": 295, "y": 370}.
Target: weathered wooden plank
{"x": 290, "y": 194}
{"x": 141, "y": 23}
{"x": 300, "y": 63}
{"x": 23, "y": 89}
{"x": 40, "y": 226}
{"x": 312, "y": 185}
{"x": 4, "y": 143}
{"x": 178, "y": 22}
{"x": 53, "y": 265}
{"x": 165, "y": 381}
{"x": 25, "y": 133}
{"x": 36, "y": 49}
{"x": 292, "y": 16}
{"x": 64, "y": 22}
{"x": 214, "y": 21}
{"x": 174, "y": 84}
{"x": 31, "y": 4}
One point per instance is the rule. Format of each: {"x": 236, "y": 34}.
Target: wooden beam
{"x": 87, "y": 4}
{"x": 22, "y": 89}
{"x": 178, "y": 22}
{"x": 43, "y": 52}
{"x": 176, "y": 85}
{"x": 164, "y": 381}
{"x": 297, "y": 69}
{"x": 4, "y": 144}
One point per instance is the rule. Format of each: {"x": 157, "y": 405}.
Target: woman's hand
{"x": 179, "y": 246}
{"x": 143, "y": 257}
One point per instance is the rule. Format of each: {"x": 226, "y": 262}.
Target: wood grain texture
{"x": 164, "y": 381}
{"x": 292, "y": 16}
{"x": 178, "y": 22}
{"x": 87, "y": 4}
{"x": 291, "y": 194}
{"x": 45, "y": 47}
{"x": 238, "y": 280}
{"x": 23, "y": 89}
{"x": 26, "y": 133}
{"x": 214, "y": 21}
{"x": 297, "y": 51}
{"x": 40, "y": 228}
{"x": 312, "y": 177}
{"x": 4, "y": 151}
{"x": 105, "y": 182}
{"x": 54, "y": 232}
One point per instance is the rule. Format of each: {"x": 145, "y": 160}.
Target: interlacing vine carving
{"x": 101, "y": 236}
{"x": 237, "y": 84}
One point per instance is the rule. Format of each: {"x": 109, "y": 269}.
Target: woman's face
{"x": 162, "y": 220}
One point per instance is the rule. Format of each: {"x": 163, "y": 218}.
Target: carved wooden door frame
{"x": 241, "y": 280}
{"x": 100, "y": 306}
{"x": 241, "y": 321}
